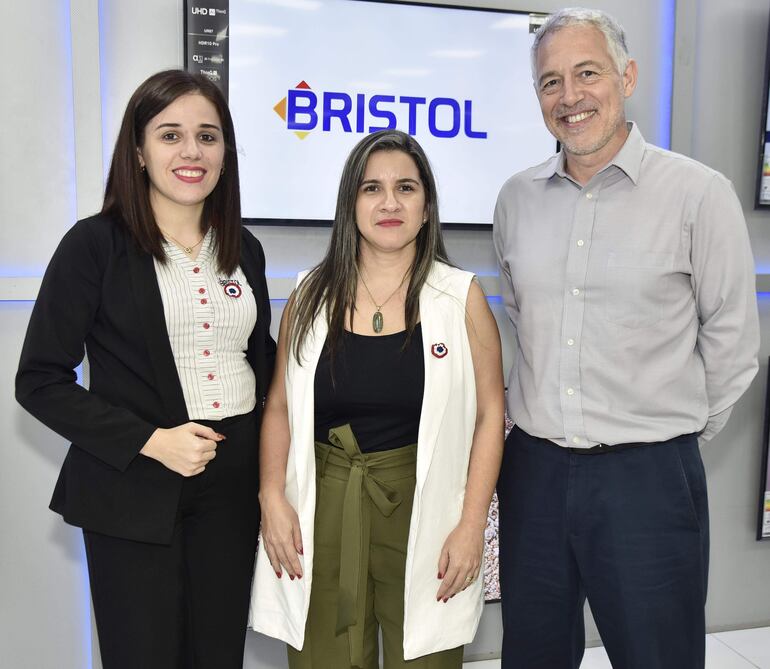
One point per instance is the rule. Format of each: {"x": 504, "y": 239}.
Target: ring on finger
{"x": 469, "y": 580}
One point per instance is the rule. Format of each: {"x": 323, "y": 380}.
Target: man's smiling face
{"x": 581, "y": 93}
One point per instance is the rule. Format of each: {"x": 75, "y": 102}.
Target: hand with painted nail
{"x": 281, "y": 535}
{"x": 185, "y": 449}
{"x": 460, "y": 560}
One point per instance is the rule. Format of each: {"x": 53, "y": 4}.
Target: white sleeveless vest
{"x": 279, "y": 606}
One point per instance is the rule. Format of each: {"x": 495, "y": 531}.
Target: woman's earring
{"x": 222, "y": 171}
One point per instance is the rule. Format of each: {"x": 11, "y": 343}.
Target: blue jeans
{"x": 627, "y": 529}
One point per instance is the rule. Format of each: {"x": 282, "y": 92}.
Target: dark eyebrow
{"x": 546, "y": 75}
{"x": 179, "y": 125}
{"x": 400, "y": 181}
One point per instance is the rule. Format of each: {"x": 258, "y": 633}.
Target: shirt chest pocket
{"x": 637, "y": 285}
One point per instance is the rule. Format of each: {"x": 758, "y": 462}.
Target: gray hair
{"x": 580, "y": 16}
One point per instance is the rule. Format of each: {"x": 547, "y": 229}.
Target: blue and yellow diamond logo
{"x": 280, "y": 109}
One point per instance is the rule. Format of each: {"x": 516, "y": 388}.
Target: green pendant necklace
{"x": 378, "y": 322}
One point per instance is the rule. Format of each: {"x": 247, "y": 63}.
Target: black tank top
{"x": 377, "y": 388}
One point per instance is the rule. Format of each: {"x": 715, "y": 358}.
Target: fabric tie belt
{"x": 369, "y": 473}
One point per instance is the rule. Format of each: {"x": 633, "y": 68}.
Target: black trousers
{"x": 628, "y": 529}
{"x": 185, "y": 605}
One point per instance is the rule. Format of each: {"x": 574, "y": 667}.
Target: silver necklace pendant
{"x": 377, "y": 321}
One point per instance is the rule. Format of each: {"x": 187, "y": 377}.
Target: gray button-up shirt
{"x": 632, "y": 298}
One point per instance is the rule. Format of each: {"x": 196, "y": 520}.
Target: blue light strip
{"x": 666, "y": 73}
{"x": 84, "y": 603}
{"x": 85, "y": 585}
{"x": 104, "y": 89}
{"x": 492, "y": 299}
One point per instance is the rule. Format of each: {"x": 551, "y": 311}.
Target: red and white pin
{"x": 233, "y": 289}
{"x": 439, "y": 350}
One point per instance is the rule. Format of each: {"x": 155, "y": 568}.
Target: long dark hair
{"x": 127, "y": 196}
{"x": 331, "y": 285}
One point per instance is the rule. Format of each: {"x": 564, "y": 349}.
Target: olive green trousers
{"x": 363, "y": 510}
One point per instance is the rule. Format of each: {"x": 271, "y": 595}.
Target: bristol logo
{"x": 441, "y": 117}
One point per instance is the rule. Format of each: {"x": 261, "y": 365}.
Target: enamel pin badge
{"x": 439, "y": 350}
{"x": 233, "y": 289}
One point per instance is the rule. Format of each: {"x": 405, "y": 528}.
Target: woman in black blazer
{"x": 165, "y": 292}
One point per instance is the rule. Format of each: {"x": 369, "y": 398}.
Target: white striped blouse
{"x": 209, "y": 318}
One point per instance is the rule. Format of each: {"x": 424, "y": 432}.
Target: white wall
{"x": 724, "y": 118}
{"x": 82, "y": 60}
{"x": 44, "y": 607}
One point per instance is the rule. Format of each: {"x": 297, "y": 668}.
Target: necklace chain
{"x": 378, "y": 321}
{"x": 187, "y": 249}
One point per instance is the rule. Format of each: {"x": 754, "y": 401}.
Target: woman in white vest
{"x": 382, "y": 434}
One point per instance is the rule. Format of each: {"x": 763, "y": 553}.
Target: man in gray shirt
{"x": 628, "y": 277}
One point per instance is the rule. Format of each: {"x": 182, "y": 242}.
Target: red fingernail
{"x": 440, "y": 575}
{"x": 300, "y": 552}
{"x": 438, "y": 599}
{"x": 278, "y": 574}
{"x": 446, "y": 599}
{"x": 299, "y": 575}
{"x": 291, "y": 577}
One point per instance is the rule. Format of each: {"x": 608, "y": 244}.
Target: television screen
{"x": 308, "y": 78}
{"x": 763, "y": 520}
{"x": 763, "y": 174}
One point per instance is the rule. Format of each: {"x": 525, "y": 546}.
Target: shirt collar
{"x": 628, "y": 159}
{"x": 206, "y": 247}
{"x": 553, "y": 166}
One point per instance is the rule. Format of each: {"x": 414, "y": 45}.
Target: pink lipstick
{"x": 190, "y": 175}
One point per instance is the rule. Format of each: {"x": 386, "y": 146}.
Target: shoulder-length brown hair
{"x": 331, "y": 285}
{"x": 127, "y": 196}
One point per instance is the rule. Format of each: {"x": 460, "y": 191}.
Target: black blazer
{"x": 100, "y": 294}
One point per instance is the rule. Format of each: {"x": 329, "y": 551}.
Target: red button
{"x": 206, "y": 326}
{"x": 196, "y": 269}
{"x": 207, "y": 353}
{"x": 215, "y": 405}
{"x": 204, "y": 301}
{"x": 210, "y": 377}
{"x": 201, "y": 290}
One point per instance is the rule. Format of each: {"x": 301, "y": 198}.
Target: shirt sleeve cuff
{"x": 714, "y": 425}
